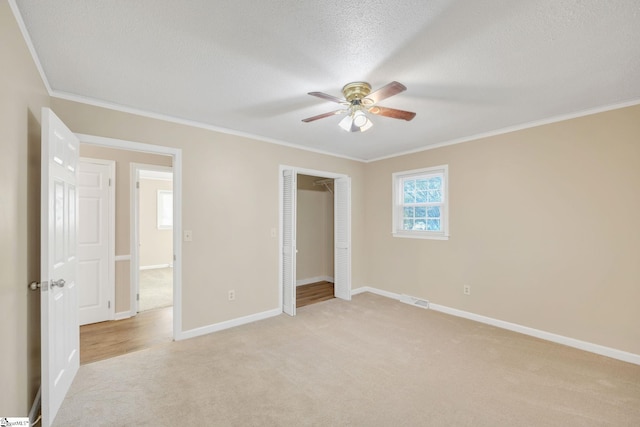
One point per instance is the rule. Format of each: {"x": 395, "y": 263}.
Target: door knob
{"x": 60, "y": 283}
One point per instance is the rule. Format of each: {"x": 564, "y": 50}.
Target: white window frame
{"x": 398, "y": 204}
{"x": 165, "y": 218}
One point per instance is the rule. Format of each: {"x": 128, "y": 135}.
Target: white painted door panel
{"x": 342, "y": 238}
{"x": 289, "y": 242}
{"x": 93, "y": 243}
{"x": 60, "y": 353}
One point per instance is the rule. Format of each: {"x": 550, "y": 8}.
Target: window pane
{"x": 409, "y": 191}
{"x": 435, "y": 183}
{"x": 421, "y": 197}
{"x": 434, "y": 196}
{"x": 165, "y": 209}
{"x": 420, "y": 224}
{"x": 409, "y": 186}
{"x": 409, "y": 198}
{"x": 433, "y": 224}
{"x": 407, "y": 224}
{"x": 433, "y": 211}
{"x": 421, "y": 212}
{"x": 408, "y": 212}
{"x": 421, "y": 184}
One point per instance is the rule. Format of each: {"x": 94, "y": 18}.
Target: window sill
{"x": 418, "y": 235}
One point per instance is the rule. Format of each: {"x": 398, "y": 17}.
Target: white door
{"x": 95, "y": 290}
{"x": 342, "y": 238}
{"x": 289, "y": 242}
{"x": 59, "y": 297}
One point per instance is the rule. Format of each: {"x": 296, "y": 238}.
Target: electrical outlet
{"x": 232, "y": 295}
{"x": 466, "y": 290}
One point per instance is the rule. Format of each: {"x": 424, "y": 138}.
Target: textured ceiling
{"x": 471, "y": 67}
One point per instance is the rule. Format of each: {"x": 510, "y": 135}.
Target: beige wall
{"x": 230, "y": 202}
{"x": 314, "y": 234}
{"x": 123, "y": 159}
{"x": 22, "y": 95}
{"x": 544, "y": 228}
{"x": 156, "y": 245}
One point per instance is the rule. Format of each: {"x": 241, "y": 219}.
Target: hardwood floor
{"x": 104, "y": 340}
{"x": 314, "y": 292}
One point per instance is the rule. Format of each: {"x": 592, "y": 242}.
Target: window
{"x": 420, "y": 203}
{"x": 165, "y": 209}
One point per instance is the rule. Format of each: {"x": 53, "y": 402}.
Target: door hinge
{"x": 108, "y": 304}
{"x": 109, "y": 182}
{"x": 174, "y": 257}
{"x": 138, "y": 185}
{"x": 137, "y": 297}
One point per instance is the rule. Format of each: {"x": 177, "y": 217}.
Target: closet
{"x": 315, "y": 244}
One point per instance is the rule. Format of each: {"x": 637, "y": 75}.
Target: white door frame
{"x": 135, "y": 227}
{"x": 303, "y": 171}
{"x": 176, "y": 154}
{"x": 111, "y": 221}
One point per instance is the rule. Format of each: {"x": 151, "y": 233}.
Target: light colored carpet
{"x": 156, "y": 288}
{"x": 369, "y": 362}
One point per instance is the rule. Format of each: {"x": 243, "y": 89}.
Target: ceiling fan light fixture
{"x": 346, "y": 123}
{"x": 359, "y": 119}
{"x": 356, "y": 122}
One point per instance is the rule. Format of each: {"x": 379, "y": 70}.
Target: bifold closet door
{"x": 289, "y": 242}
{"x": 342, "y": 238}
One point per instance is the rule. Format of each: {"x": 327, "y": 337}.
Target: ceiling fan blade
{"x": 392, "y": 112}
{"x": 322, "y": 116}
{"x": 328, "y": 97}
{"x": 385, "y": 92}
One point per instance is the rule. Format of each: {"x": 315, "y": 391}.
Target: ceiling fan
{"x": 358, "y": 101}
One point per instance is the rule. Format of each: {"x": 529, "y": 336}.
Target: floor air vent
{"x": 414, "y": 301}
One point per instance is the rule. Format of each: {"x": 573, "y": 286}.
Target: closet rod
{"x": 325, "y": 183}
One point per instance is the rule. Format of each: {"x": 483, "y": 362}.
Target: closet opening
{"x": 315, "y": 237}
{"x": 314, "y": 231}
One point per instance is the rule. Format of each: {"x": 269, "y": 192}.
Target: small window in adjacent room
{"x": 420, "y": 203}
{"x": 165, "y": 209}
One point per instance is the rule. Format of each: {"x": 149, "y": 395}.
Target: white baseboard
{"x": 155, "y": 266}
{"x": 121, "y": 315}
{"x": 302, "y": 282}
{"x": 35, "y": 408}
{"x": 192, "y": 333}
{"x": 375, "y": 291}
{"x": 548, "y": 336}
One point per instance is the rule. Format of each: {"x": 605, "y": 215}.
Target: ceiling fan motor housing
{"x": 356, "y": 91}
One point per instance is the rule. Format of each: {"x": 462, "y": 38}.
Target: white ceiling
{"x": 471, "y": 67}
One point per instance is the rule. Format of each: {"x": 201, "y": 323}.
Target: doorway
{"x": 152, "y": 225}
{"x": 149, "y": 330}
{"x": 314, "y": 240}
{"x": 289, "y": 244}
